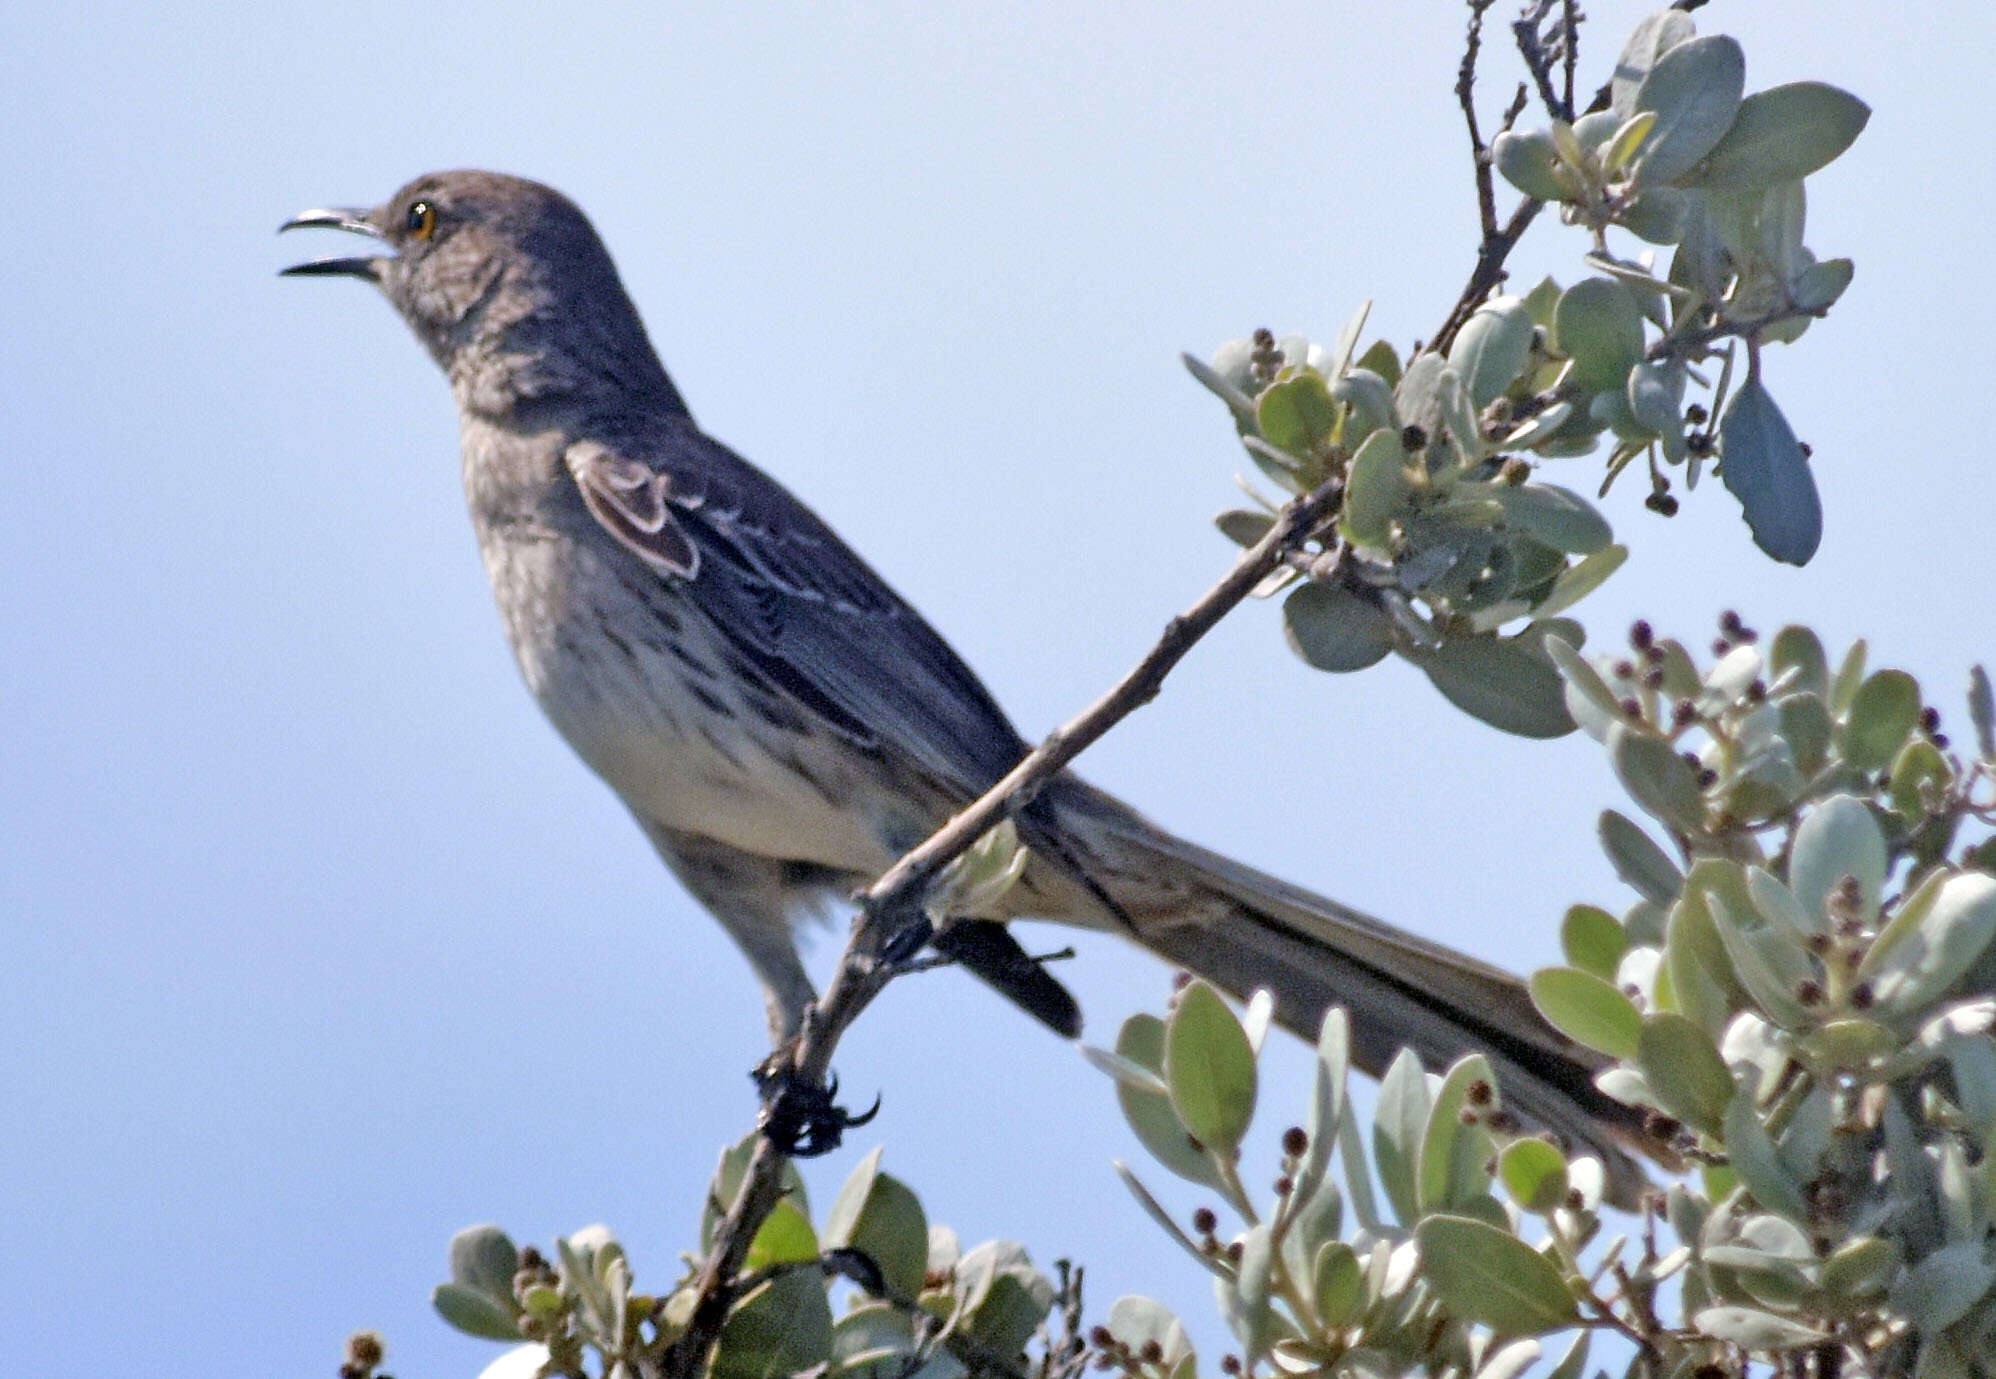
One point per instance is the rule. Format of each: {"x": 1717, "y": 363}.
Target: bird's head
{"x": 504, "y": 280}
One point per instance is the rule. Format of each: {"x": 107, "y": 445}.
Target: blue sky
{"x": 318, "y": 943}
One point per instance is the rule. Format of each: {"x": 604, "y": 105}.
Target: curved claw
{"x": 804, "y": 1121}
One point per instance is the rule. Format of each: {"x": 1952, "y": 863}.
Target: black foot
{"x": 803, "y": 1119}
{"x": 908, "y": 940}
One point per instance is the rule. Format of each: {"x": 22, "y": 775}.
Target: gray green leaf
{"x": 1764, "y": 467}
{"x": 1210, "y": 1068}
{"x": 1781, "y": 134}
{"x": 1334, "y": 629}
{"x": 1490, "y": 1276}
{"x": 1695, "y": 91}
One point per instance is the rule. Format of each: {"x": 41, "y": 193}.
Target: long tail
{"x": 1247, "y": 931}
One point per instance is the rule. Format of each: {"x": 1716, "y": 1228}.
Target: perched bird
{"x": 780, "y": 722}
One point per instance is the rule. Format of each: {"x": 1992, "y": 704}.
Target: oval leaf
{"x": 1883, "y": 712}
{"x": 1334, "y": 629}
{"x": 1150, "y": 1114}
{"x": 1588, "y": 1010}
{"x": 1508, "y": 683}
{"x": 1599, "y": 326}
{"x": 1695, "y": 91}
{"x": 1781, "y": 134}
{"x": 1490, "y": 1276}
{"x": 1209, "y": 1066}
{"x": 1764, "y": 467}
{"x": 1684, "y": 1069}
{"x": 1491, "y": 348}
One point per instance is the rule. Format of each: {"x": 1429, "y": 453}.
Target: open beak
{"x": 359, "y": 266}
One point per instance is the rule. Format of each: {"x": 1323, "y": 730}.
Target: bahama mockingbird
{"x": 780, "y": 722}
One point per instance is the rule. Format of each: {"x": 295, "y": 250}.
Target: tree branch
{"x": 1465, "y": 95}
{"x": 1489, "y": 271}
{"x": 861, "y": 974}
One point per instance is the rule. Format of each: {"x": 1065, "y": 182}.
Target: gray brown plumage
{"x": 779, "y": 721}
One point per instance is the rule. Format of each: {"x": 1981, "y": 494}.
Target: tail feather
{"x": 1247, "y": 931}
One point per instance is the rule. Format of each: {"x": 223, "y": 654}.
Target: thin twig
{"x": 1489, "y": 271}
{"x": 1531, "y": 47}
{"x": 861, "y": 974}
{"x": 1570, "y": 45}
{"x": 1465, "y": 95}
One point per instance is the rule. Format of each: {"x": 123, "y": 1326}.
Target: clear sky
{"x": 318, "y": 944}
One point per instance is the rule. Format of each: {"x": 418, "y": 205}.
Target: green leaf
{"x": 1593, "y": 940}
{"x": 1781, "y": 134}
{"x": 1599, "y": 325}
{"x": 1703, "y": 984}
{"x": 780, "y": 1327}
{"x": 483, "y": 1258}
{"x": 1296, "y": 413}
{"x": 1938, "y": 1291}
{"x": 1339, "y": 1284}
{"x": 1400, "y": 1119}
{"x": 475, "y": 1312}
{"x": 1491, "y": 349}
{"x": 1506, "y": 682}
{"x": 1695, "y": 91}
{"x": 1534, "y": 1173}
{"x": 1767, "y": 951}
{"x": 1327, "y": 1101}
{"x": 1580, "y": 580}
{"x": 1556, "y": 516}
{"x": 1004, "y": 1299}
{"x": 726, "y": 1185}
{"x": 1243, "y": 526}
{"x": 1860, "y": 1268}
{"x": 1529, "y": 161}
{"x": 1629, "y": 136}
{"x": 872, "y": 1341}
{"x": 1377, "y": 490}
{"x": 1638, "y": 861}
{"x": 1684, "y": 1069}
{"x": 1490, "y": 1276}
{"x": 1254, "y": 1322}
{"x": 1796, "y": 657}
{"x": 1754, "y": 1161}
{"x": 881, "y": 1217}
{"x": 1150, "y": 1114}
{"x": 1883, "y": 712}
{"x": 1453, "y": 1151}
{"x": 1839, "y": 838}
{"x": 1653, "y": 37}
{"x": 1764, "y": 467}
{"x": 785, "y": 1237}
{"x": 1370, "y": 398}
{"x": 1657, "y": 778}
{"x": 1982, "y": 711}
{"x": 1920, "y": 967}
{"x": 1137, "y": 1322}
{"x": 1334, "y": 629}
{"x": 1228, "y": 377}
{"x": 1818, "y": 286}
{"x": 1210, "y": 1068}
{"x": 1382, "y": 359}
{"x": 1752, "y": 1329}
{"x": 1588, "y": 1010}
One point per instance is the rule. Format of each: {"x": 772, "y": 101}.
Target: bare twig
{"x": 1489, "y": 271}
{"x": 861, "y": 974}
{"x": 1530, "y": 38}
{"x": 1570, "y": 44}
{"x": 1465, "y": 95}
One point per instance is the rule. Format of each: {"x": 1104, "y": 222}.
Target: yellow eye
{"x": 421, "y": 220}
